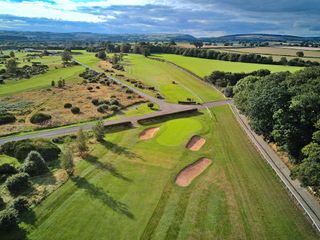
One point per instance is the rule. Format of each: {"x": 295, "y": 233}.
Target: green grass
{"x": 161, "y": 75}
{"x": 203, "y": 67}
{"x": 88, "y": 58}
{"x": 40, "y": 81}
{"x": 142, "y": 109}
{"x": 10, "y": 160}
{"x": 125, "y": 187}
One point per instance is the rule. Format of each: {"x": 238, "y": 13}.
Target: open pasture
{"x": 125, "y": 187}
{"x": 281, "y": 51}
{"x": 175, "y": 85}
{"x": 203, "y": 67}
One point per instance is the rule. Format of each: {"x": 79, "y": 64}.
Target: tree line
{"x": 285, "y": 108}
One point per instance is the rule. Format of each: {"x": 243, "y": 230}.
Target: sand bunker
{"x": 195, "y": 143}
{"x": 148, "y": 133}
{"x": 186, "y": 176}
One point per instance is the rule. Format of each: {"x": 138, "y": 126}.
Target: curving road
{"x": 305, "y": 199}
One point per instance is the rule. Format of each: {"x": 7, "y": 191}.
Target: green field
{"x": 40, "y": 81}
{"x": 125, "y": 189}
{"x": 203, "y": 67}
{"x": 161, "y": 75}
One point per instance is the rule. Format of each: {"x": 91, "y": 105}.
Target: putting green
{"x": 177, "y": 132}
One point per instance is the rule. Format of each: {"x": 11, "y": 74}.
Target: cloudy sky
{"x": 196, "y": 17}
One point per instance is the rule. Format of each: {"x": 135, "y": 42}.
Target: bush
{"x": 114, "y": 108}
{"x": 95, "y": 102}
{"x": 6, "y": 118}
{"x": 150, "y": 105}
{"x": 39, "y": 118}
{"x": 8, "y": 219}
{"x": 102, "y": 108}
{"x": 67, "y": 105}
{"x": 20, "y": 204}
{"x": 114, "y": 102}
{"x": 228, "y": 91}
{"x": 17, "y": 183}
{"x": 20, "y": 149}
{"x": 89, "y": 88}
{"x": 2, "y": 204}
{"x": 6, "y": 170}
{"x": 75, "y": 110}
{"x": 34, "y": 164}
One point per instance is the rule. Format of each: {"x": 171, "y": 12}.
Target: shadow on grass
{"x": 120, "y": 150}
{"x": 105, "y": 166}
{"x": 103, "y": 196}
{"x": 165, "y": 118}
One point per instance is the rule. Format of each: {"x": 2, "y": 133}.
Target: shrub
{"x": 39, "y": 118}
{"x": 89, "y": 88}
{"x": 114, "y": 108}
{"x": 129, "y": 91}
{"x": 34, "y": 164}
{"x": 20, "y": 204}
{"x": 75, "y": 110}
{"x": 2, "y": 204}
{"x": 228, "y": 91}
{"x": 102, "y": 108}
{"x": 6, "y": 118}
{"x": 95, "y": 102}
{"x": 150, "y": 105}
{"x": 6, "y": 170}
{"x": 17, "y": 183}
{"x": 67, "y": 105}
{"x": 48, "y": 150}
{"x": 21, "y": 149}
{"x": 114, "y": 102}
{"x": 8, "y": 219}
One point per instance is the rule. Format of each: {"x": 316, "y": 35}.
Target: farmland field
{"x": 282, "y": 51}
{"x": 172, "y": 83}
{"x": 125, "y": 187}
{"x": 203, "y": 67}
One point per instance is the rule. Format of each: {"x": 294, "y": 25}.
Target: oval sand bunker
{"x": 186, "y": 176}
{"x": 195, "y": 143}
{"x": 148, "y": 133}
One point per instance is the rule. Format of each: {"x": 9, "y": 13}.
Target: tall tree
{"x": 81, "y": 142}
{"x": 66, "y": 159}
{"x": 99, "y": 131}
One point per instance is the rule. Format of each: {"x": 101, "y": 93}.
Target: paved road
{"x": 303, "y": 197}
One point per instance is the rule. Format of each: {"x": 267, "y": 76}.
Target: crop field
{"x": 282, "y": 51}
{"x": 171, "y": 82}
{"x": 125, "y": 187}
{"x": 203, "y": 67}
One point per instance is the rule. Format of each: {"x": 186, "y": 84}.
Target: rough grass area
{"x": 203, "y": 67}
{"x": 52, "y": 103}
{"x": 125, "y": 187}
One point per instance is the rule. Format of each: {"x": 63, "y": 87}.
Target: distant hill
{"x": 259, "y": 38}
{"x": 86, "y": 36}
{"x": 96, "y": 37}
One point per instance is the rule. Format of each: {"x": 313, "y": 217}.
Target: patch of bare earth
{"x": 195, "y": 143}
{"x": 186, "y": 176}
{"x": 148, "y": 133}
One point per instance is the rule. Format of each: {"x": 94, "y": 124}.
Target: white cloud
{"x": 63, "y": 10}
